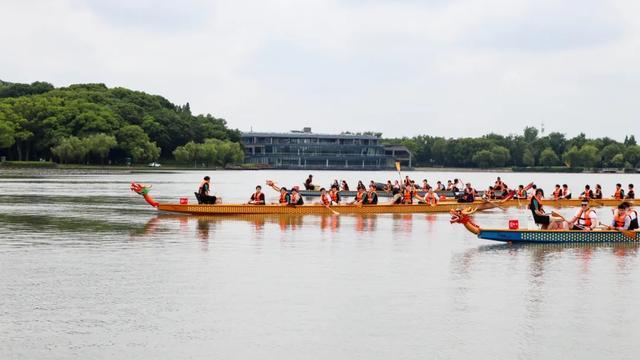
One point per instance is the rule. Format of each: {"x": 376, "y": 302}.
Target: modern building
{"x": 307, "y": 150}
{"x": 400, "y": 153}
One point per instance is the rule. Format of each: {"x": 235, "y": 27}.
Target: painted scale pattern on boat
{"x": 557, "y": 236}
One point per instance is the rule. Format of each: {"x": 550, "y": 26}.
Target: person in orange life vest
{"x": 585, "y": 218}
{"x": 204, "y": 191}
{"x": 425, "y": 185}
{"x": 407, "y": 195}
{"x": 430, "y": 198}
{"x": 285, "y": 197}
{"x": 557, "y": 193}
{"x": 633, "y": 215}
{"x": 334, "y": 194}
{"x": 296, "y": 198}
{"x": 489, "y": 194}
{"x": 598, "y": 193}
{"x": 621, "y": 220}
{"x": 371, "y": 197}
{"x": 257, "y": 198}
{"x": 359, "y": 198}
{"x": 566, "y": 193}
{"x": 630, "y": 193}
{"x": 499, "y": 185}
{"x": 521, "y": 193}
{"x": 587, "y": 193}
{"x": 325, "y": 199}
{"x": 619, "y": 194}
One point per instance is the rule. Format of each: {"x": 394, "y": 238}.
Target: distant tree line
{"x": 90, "y": 123}
{"x": 526, "y": 150}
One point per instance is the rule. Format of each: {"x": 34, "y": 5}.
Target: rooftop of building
{"x": 307, "y": 133}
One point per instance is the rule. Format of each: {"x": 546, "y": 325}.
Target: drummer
{"x": 539, "y": 216}
{"x": 257, "y": 198}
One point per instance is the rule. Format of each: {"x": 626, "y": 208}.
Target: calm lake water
{"x": 89, "y": 271}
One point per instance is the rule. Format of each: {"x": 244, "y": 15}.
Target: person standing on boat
{"x": 585, "y": 218}
{"x": 630, "y": 193}
{"x": 295, "y": 198}
{"x": 539, "y": 216}
{"x": 334, "y": 194}
{"x": 371, "y": 197}
{"x": 257, "y": 198}
{"x": 204, "y": 191}
{"x": 587, "y": 193}
{"x": 308, "y": 184}
{"x": 619, "y": 193}
{"x": 598, "y": 193}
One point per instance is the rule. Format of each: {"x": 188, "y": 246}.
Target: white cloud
{"x": 451, "y": 68}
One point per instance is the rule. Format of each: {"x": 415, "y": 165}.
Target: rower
{"x": 407, "y": 181}
{"x": 630, "y": 193}
{"x": 372, "y": 196}
{"x": 204, "y": 191}
{"x": 458, "y": 185}
{"x": 619, "y": 194}
{"x": 295, "y": 198}
{"x": 285, "y": 198}
{"x": 257, "y": 198}
{"x": 407, "y": 195}
{"x": 345, "y": 186}
{"x": 489, "y": 194}
{"x": 425, "y": 185}
{"x": 308, "y": 184}
{"x": 468, "y": 195}
{"x": 325, "y": 199}
{"x": 360, "y": 185}
{"x": 633, "y": 224}
{"x": 430, "y": 198}
{"x": 598, "y": 193}
{"x": 587, "y": 193}
{"x": 566, "y": 193}
{"x": 440, "y": 186}
{"x": 359, "y": 198}
{"x": 521, "y": 193}
{"x": 388, "y": 186}
{"x": 499, "y": 185}
{"x": 621, "y": 220}
{"x": 539, "y": 216}
{"x": 557, "y": 193}
{"x": 334, "y": 194}
{"x": 585, "y": 218}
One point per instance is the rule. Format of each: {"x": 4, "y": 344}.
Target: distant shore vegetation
{"x": 93, "y": 124}
{"x": 528, "y": 150}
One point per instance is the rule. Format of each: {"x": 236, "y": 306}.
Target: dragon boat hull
{"x": 558, "y": 237}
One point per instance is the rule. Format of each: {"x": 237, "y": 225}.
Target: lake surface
{"x": 89, "y": 271}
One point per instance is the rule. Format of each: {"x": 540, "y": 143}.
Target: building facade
{"x": 307, "y": 150}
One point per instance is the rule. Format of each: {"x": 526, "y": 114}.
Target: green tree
{"x": 571, "y": 157}
{"x": 548, "y": 157}
{"x": 7, "y": 134}
{"x": 617, "y": 161}
{"x": 530, "y": 134}
{"x": 70, "y": 150}
{"x": 608, "y": 152}
{"x": 589, "y": 155}
{"x": 99, "y": 145}
{"x": 483, "y": 158}
{"x": 500, "y": 156}
{"x": 527, "y": 158}
{"x": 135, "y": 142}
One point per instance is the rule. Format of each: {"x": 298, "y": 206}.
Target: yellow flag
{"x": 398, "y": 165}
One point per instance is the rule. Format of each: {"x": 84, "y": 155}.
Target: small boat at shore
{"x": 463, "y": 216}
{"x": 185, "y": 207}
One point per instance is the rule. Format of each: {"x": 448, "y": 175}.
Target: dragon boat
{"x": 463, "y": 216}
{"x": 388, "y": 194}
{"x": 380, "y": 208}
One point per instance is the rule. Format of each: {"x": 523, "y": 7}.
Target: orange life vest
{"x": 408, "y": 197}
{"x": 430, "y": 198}
{"x": 586, "y": 194}
{"x": 326, "y": 200}
{"x": 619, "y": 220}
{"x": 522, "y": 193}
{"x": 359, "y": 196}
{"x": 334, "y": 196}
{"x": 618, "y": 194}
{"x": 283, "y": 198}
{"x": 584, "y": 218}
{"x": 256, "y": 197}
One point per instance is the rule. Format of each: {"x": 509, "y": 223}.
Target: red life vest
{"x": 283, "y": 198}
{"x": 359, "y": 196}
{"x": 326, "y": 200}
{"x": 334, "y": 196}
{"x": 430, "y": 198}
{"x": 586, "y": 194}
{"x": 619, "y": 220}
{"x": 557, "y": 193}
{"x": 522, "y": 193}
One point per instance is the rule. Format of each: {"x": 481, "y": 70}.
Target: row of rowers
{"x": 332, "y": 197}
{"x": 563, "y": 192}
{"x": 585, "y": 218}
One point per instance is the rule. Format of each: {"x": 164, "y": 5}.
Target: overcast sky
{"x": 447, "y": 68}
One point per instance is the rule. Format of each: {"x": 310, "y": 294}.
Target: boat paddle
{"x": 333, "y": 211}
